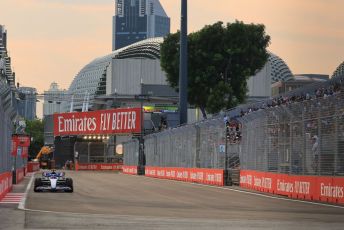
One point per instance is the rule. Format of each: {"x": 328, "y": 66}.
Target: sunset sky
{"x": 51, "y": 40}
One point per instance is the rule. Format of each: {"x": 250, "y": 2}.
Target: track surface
{"x": 117, "y": 201}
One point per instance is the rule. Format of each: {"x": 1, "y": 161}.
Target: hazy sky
{"x": 51, "y": 40}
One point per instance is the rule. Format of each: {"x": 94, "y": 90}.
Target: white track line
{"x": 22, "y": 202}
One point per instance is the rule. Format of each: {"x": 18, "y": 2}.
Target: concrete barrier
{"x": 313, "y": 188}
{"x": 19, "y": 175}
{"x": 33, "y": 166}
{"x": 128, "y": 169}
{"x": 5, "y": 183}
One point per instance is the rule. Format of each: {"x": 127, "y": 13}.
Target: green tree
{"x": 220, "y": 60}
{"x": 35, "y": 129}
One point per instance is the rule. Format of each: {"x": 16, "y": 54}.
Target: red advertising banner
{"x": 33, "y": 166}
{"x": 197, "y": 175}
{"x": 126, "y": 169}
{"x": 14, "y": 146}
{"x": 20, "y": 140}
{"x": 124, "y": 120}
{"x": 5, "y": 183}
{"x": 19, "y": 175}
{"x": 318, "y": 188}
{"x": 23, "y": 140}
{"x": 100, "y": 167}
{"x": 25, "y": 152}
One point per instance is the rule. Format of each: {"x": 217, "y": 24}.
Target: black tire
{"x": 69, "y": 183}
{"x": 38, "y": 182}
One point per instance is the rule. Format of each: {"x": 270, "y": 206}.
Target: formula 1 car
{"x": 53, "y": 181}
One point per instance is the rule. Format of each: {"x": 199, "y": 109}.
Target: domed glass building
{"x": 279, "y": 69}
{"x": 94, "y": 79}
{"x": 91, "y": 80}
{"x": 339, "y": 71}
{"x": 275, "y": 70}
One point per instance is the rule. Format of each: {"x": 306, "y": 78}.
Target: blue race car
{"x": 53, "y": 181}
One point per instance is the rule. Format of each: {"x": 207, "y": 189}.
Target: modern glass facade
{"x": 27, "y": 102}
{"x": 339, "y": 71}
{"x": 92, "y": 78}
{"x": 3, "y": 39}
{"x": 53, "y": 99}
{"x": 137, "y": 20}
{"x": 275, "y": 70}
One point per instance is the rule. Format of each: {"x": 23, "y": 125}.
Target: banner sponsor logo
{"x": 129, "y": 169}
{"x": 100, "y": 166}
{"x": 284, "y": 186}
{"x": 20, "y": 145}
{"x": 329, "y": 190}
{"x": 321, "y": 188}
{"x": 32, "y": 166}
{"x": 302, "y": 187}
{"x": 203, "y": 176}
{"x": 113, "y": 121}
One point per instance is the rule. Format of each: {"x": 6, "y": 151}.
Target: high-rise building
{"x": 53, "y": 99}
{"x": 5, "y": 59}
{"x": 3, "y": 39}
{"x": 27, "y": 102}
{"x": 136, "y": 20}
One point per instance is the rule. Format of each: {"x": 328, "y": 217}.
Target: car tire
{"x": 38, "y": 182}
{"x": 69, "y": 183}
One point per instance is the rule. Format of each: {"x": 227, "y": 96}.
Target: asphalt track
{"x": 104, "y": 200}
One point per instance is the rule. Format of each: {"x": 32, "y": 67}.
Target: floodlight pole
{"x": 183, "y": 66}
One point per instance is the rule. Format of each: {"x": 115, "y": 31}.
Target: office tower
{"x": 136, "y": 20}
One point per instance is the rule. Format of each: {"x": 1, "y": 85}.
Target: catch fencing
{"x": 304, "y": 136}
{"x": 95, "y": 152}
{"x": 200, "y": 145}
{"x": 7, "y": 115}
{"x": 190, "y": 146}
{"x": 131, "y": 152}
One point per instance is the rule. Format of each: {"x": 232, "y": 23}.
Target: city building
{"x": 5, "y": 60}
{"x": 53, "y": 100}
{"x": 137, "y": 20}
{"x": 135, "y": 68}
{"x": 27, "y": 102}
{"x": 3, "y": 39}
{"x": 339, "y": 71}
{"x": 260, "y": 85}
{"x": 298, "y": 81}
{"x": 125, "y": 71}
{"x": 8, "y": 90}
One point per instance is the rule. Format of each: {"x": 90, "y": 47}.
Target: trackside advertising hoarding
{"x": 20, "y": 175}
{"x": 318, "y": 188}
{"x": 100, "y": 166}
{"x": 129, "y": 169}
{"x": 5, "y": 183}
{"x": 195, "y": 175}
{"x": 124, "y": 120}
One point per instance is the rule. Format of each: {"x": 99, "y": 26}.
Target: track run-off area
{"x": 107, "y": 200}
